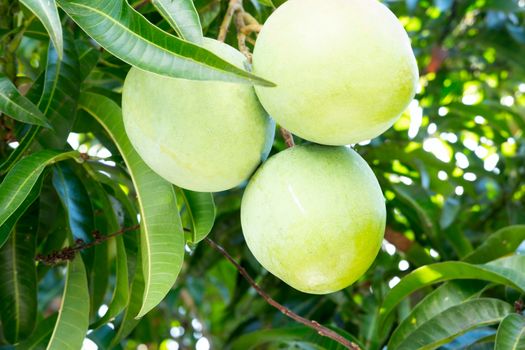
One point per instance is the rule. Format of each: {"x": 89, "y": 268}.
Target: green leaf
{"x": 18, "y": 298}
{"x": 162, "y": 236}
{"x": 47, "y": 13}
{"x": 56, "y": 92}
{"x": 40, "y": 335}
{"x": 75, "y": 201}
{"x": 6, "y": 228}
{"x": 495, "y": 272}
{"x": 268, "y": 3}
{"x": 129, "y": 321}
{"x": 201, "y": 209}
{"x": 121, "y": 291}
{"x": 13, "y": 104}
{"x": 304, "y": 335}
{"x": 500, "y": 243}
{"x": 73, "y": 318}
{"x": 455, "y": 321}
{"x": 61, "y": 88}
{"x": 444, "y": 297}
{"x": 123, "y": 32}
{"x": 88, "y": 58}
{"x": 511, "y": 333}
{"x": 182, "y": 16}
{"x": 19, "y": 182}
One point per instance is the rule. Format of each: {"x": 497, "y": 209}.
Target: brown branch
{"x": 288, "y": 137}
{"x": 68, "y": 253}
{"x": 233, "y": 7}
{"x": 320, "y": 329}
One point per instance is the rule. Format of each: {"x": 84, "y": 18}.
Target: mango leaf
{"x": 19, "y": 182}
{"x": 40, "y": 335}
{"x": 47, "y": 13}
{"x": 162, "y": 236}
{"x": 55, "y": 94}
{"x": 182, "y": 16}
{"x": 61, "y": 88}
{"x": 121, "y": 291}
{"x": 455, "y": 321}
{"x": 496, "y": 272}
{"x": 13, "y": 104}
{"x": 129, "y": 321}
{"x": 201, "y": 209}
{"x": 18, "y": 298}
{"x": 444, "y": 297}
{"x": 88, "y": 58}
{"x": 73, "y": 318}
{"x": 75, "y": 201}
{"x": 296, "y": 334}
{"x": 511, "y": 333}
{"x": 123, "y": 32}
{"x": 500, "y": 243}
{"x": 6, "y": 228}
{"x": 268, "y": 3}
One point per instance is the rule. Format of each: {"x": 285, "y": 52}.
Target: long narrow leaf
{"x": 201, "y": 209}
{"x": 18, "y": 298}
{"x": 498, "y": 244}
{"x": 435, "y": 273}
{"x": 455, "y": 321}
{"x": 40, "y": 336}
{"x": 444, "y": 297}
{"x": 121, "y": 291}
{"x": 122, "y": 31}
{"x": 73, "y": 318}
{"x": 162, "y": 236}
{"x": 511, "y": 333}
{"x": 75, "y": 201}
{"x": 18, "y": 184}
{"x": 182, "y": 16}
{"x": 47, "y": 13}
{"x": 13, "y": 104}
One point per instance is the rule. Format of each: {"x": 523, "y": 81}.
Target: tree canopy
{"x": 91, "y": 239}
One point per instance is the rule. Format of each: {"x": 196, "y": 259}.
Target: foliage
{"x": 452, "y": 170}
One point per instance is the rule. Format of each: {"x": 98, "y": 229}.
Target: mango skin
{"x": 344, "y": 69}
{"x": 204, "y": 136}
{"x": 314, "y": 216}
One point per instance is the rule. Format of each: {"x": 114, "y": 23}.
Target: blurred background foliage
{"x": 452, "y": 170}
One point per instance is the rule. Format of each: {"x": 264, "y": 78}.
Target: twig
{"x": 68, "y": 253}
{"x": 233, "y": 7}
{"x": 140, "y": 4}
{"x": 320, "y": 329}
{"x": 288, "y": 137}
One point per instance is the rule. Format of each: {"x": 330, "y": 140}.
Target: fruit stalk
{"x": 320, "y": 329}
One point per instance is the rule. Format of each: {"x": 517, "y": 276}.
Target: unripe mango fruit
{"x": 204, "y": 136}
{"x": 344, "y": 69}
{"x": 314, "y": 216}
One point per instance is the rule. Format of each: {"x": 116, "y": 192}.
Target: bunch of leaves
{"x": 452, "y": 169}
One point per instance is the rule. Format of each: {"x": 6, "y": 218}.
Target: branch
{"x": 233, "y": 7}
{"x": 320, "y": 329}
{"x": 68, "y": 253}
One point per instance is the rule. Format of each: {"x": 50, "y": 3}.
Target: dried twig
{"x": 320, "y": 329}
{"x": 68, "y": 253}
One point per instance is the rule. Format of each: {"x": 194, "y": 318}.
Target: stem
{"x": 320, "y": 329}
{"x": 68, "y": 253}
{"x": 288, "y": 137}
{"x": 233, "y": 7}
